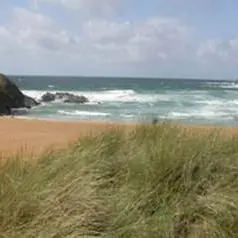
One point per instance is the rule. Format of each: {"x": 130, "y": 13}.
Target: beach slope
{"x": 27, "y": 136}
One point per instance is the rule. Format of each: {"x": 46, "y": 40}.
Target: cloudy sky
{"x": 163, "y": 38}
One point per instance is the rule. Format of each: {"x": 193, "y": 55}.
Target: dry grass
{"x": 158, "y": 181}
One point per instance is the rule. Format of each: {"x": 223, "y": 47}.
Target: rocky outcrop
{"x": 11, "y": 97}
{"x": 65, "y": 97}
{"x": 48, "y": 97}
{"x": 30, "y": 102}
{"x": 76, "y": 99}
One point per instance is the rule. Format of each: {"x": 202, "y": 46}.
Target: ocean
{"x": 135, "y": 99}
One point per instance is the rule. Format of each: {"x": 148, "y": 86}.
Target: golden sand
{"x": 36, "y": 136}
{"x": 27, "y": 136}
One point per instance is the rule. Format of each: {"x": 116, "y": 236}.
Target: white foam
{"x": 120, "y": 96}
{"x": 217, "y": 102}
{"x": 36, "y": 94}
{"x": 126, "y": 96}
{"x": 207, "y": 113}
{"x": 106, "y": 96}
{"x": 123, "y": 96}
{"x": 82, "y": 113}
{"x": 210, "y": 102}
{"x": 228, "y": 85}
{"x": 204, "y": 106}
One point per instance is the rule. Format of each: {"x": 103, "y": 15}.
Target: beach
{"x": 200, "y": 105}
{"x": 37, "y": 136}
{"x": 115, "y": 183}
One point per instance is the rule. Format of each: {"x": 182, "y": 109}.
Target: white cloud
{"x": 86, "y": 7}
{"x": 151, "y": 40}
{"x": 105, "y": 41}
{"x": 5, "y": 39}
{"x": 34, "y": 33}
{"x": 36, "y": 43}
{"x": 219, "y": 51}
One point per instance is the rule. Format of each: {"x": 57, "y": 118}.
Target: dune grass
{"x": 155, "y": 182}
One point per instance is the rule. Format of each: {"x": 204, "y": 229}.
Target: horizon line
{"x": 117, "y": 77}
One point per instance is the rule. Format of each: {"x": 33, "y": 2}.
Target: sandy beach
{"x": 36, "y": 136}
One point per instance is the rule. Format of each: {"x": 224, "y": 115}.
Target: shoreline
{"x": 120, "y": 122}
{"x": 35, "y": 136}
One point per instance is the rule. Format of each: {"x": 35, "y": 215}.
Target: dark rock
{"x": 30, "y": 102}
{"x": 63, "y": 95}
{"x": 12, "y": 97}
{"x": 76, "y": 99}
{"x": 48, "y": 97}
{"x": 66, "y": 97}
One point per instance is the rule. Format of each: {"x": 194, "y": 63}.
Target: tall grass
{"x": 155, "y": 182}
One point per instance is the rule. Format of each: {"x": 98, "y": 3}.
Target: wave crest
{"x": 103, "y": 96}
{"x": 82, "y": 113}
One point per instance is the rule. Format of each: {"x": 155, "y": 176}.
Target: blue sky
{"x": 172, "y": 38}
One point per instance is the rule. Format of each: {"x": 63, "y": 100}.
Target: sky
{"x": 139, "y": 38}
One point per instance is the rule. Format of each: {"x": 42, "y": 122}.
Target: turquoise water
{"x": 136, "y": 99}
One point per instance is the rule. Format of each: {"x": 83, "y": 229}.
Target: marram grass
{"x": 155, "y": 182}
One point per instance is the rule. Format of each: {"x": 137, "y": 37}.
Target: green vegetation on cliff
{"x": 155, "y": 182}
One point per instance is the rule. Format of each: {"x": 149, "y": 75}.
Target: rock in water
{"x": 71, "y": 98}
{"x": 65, "y": 97}
{"x": 62, "y": 95}
{"x": 48, "y": 97}
{"x": 76, "y": 99}
{"x": 12, "y": 97}
{"x": 30, "y": 102}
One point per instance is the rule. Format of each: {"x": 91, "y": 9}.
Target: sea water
{"x": 135, "y": 99}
